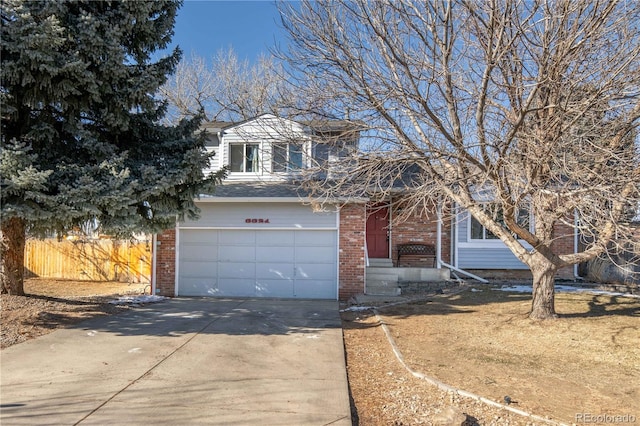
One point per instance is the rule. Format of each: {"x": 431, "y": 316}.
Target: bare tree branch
{"x": 533, "y": 104}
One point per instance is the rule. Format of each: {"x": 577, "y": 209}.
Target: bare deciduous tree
{"x": 497, "y": 106}
{"x": 227, "y": 89}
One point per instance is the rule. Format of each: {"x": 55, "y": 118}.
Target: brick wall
{"x": 563, "y": 243}
{"x": 166, "y": 263}
{"x": 420, "y": 229}
{"x": 351, "y": 255}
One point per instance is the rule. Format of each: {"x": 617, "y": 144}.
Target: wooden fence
{"x": 95, "y": 260}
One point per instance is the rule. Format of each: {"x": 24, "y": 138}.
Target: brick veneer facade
{"x": 166, "y": 263}
{"x": 351, "y": 255}
{"x": 351, "y": 262}
{"x": 420, "y": 229}
{"x": 563, "y": 243}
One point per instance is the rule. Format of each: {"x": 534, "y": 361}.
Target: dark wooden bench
{"x": 416, "y": 249}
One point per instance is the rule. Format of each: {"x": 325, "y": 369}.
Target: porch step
{"x": 381, "y": 263}
{"x": 382, "y": 289}
{"x": 381, "y": 277}
{"x": 382, "y": 284}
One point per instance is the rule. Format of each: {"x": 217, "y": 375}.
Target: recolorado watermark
{"x": 605, "y": 418}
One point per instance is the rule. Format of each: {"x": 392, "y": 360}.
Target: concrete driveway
{"x": 184, "y": 361}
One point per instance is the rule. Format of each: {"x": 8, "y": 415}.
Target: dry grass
{"x": 587, "y": 361}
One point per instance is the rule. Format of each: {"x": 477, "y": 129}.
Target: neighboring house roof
{"x": 216, "y": 125}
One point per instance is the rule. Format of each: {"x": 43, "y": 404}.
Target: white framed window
{"x": 287, "y": 157}
{"x": 477, "y": 231}
{"x": 244, "y": 157}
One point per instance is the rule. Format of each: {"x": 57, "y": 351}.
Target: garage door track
{"x": 185, "y": 361}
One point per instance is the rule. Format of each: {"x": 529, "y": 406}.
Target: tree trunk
{"x": 543, "y": 304}
{"x": 12, "y": 249}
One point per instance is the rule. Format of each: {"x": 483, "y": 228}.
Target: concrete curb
{"x": 448, "y": 388}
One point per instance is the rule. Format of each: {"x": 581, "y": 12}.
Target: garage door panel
{"x": 237, "y": 270}
{"x": 318, "y": 289}
{"x": 314, "y": 271}
{"x": 237, "y": 287}
{"x": 237, "y": 254}
{"x": 275, "y": 238}
{"x": 200, "y": 236}
{"x": 258, "y": 263}
{"x": 198, "y": 286}
{"x": 195, "y": 252}
{"x": 237, "y": 237}
{"x": 274, "y": 288}
{"x": 283, "y": 271}
{"x": 273, "y": 254}
{"x": 315, "y": 255}
{"x": 198, "y": 269}
{"x": 315, "y": 239}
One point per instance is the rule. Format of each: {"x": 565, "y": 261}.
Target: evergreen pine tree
{"x": 81, "y": 139}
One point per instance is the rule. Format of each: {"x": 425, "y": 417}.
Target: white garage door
{"x": 258, "y": 263}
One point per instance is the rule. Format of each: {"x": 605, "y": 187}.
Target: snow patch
{"x": 123, "y": 300}
{"x": 357, "y": 308}
{"x": 565, "y": 289}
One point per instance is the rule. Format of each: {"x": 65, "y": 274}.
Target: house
{"x": 260, "y": 236}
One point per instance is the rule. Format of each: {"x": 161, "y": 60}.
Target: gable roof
{"x": 320, "y": 126}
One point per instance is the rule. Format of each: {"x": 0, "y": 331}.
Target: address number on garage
{"x": 256, "y": 220}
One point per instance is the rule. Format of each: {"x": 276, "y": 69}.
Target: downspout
{"x": 439, "y": 234}
{"x": 454, "y": 226}
{"x": 576, "y": 277}
{"x": 176, "y": 283}
{"x": 469, "y": 274}
{"x": 154, "y": 250}
{"x": 439, "y": 260}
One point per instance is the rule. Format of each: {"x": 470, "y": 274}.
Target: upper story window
{"x": 479, "y": 232}
{"x": 286, "y": 157}
{"x": 212, "y": 140}
{"x": 245, "y": 157}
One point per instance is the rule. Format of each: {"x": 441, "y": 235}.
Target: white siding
{"x": 265, "y": 131}
{"x": 487, "y": 254}
{"x": 280, "y": 215}
{"x": 214, "y": 162}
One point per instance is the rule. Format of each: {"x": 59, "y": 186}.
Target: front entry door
{"x": 378, "y": 233}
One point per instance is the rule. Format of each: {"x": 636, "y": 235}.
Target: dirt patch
{"x": 53, "y": 304}
{"x": 586, "y": 362}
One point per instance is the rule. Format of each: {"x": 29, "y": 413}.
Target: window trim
{"x": 287, "y": 160}
{"x": 491, "y": 242}
{"x": 245, "y": 158}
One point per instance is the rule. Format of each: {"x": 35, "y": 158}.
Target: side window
{"x": 321, "y": 153}
{"x": 212, "y": 140}
{"x": 479, "y": 232}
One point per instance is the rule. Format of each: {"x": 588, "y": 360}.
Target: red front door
{"x": 378, "y": 233}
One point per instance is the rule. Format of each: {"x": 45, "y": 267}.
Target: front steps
{"x": 382, "y": 278}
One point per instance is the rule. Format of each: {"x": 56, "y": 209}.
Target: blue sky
{"x": 249, "y": 27}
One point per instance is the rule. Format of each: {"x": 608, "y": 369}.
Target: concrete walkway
{"x": 184, "y": 361}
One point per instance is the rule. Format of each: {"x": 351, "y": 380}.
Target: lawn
{"x": 481, "y": 340}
